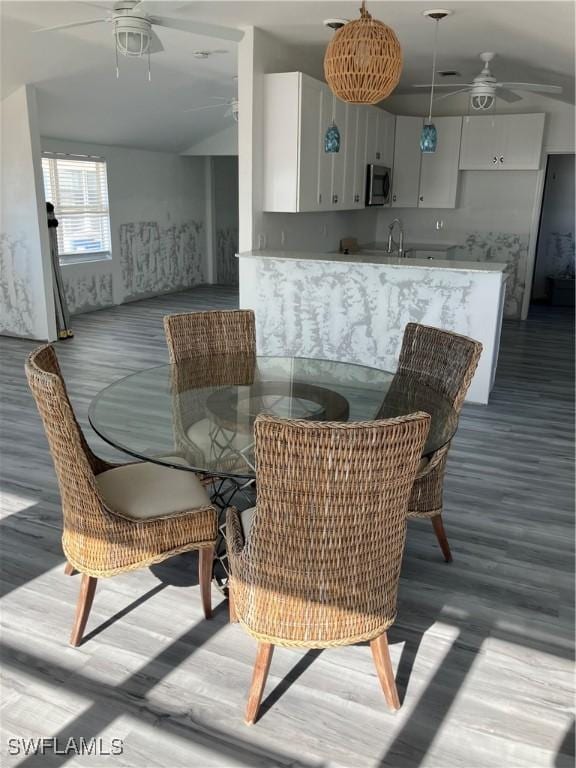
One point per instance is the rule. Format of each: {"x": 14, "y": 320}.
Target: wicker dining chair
{"x": 222, "y": 345}
{"x": 214, "y": 332}
{"x": 446, "y": 362}
{"x": 116, "y": 518}
{"x": 316, "y": 563}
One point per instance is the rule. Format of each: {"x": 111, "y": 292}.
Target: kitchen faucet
{"x": 399, "y": 246}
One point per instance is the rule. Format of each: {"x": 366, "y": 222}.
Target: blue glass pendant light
{"x": 429, "y": 135}
{"x": 428, "y": 138}
{"x": 332, "y": 138}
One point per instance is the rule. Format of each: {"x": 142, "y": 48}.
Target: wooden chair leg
{"x": 261, "y": 667}
{"x": 232, "y": 615}
{"x": 85, "y": 598}
{"x": 438, "y": 526}
{"x": 381, "y": 655}
{"x": 69, "y": 570}
{"x": 205, "y": 565}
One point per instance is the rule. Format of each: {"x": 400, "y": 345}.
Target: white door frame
{"x": 535, "y": 226}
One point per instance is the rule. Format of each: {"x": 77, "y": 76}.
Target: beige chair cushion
{"x": 145, "y": 490}
{"x": 199, "y": 434}
{"x": 246, "y": 520}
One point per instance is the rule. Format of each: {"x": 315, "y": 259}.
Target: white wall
{"x": 26, "y": 299}
{"x": 157, "y": 222}
{"x": 260, "y": 54}
{"x": 225, "y": 142}
{"x": 555, "y": 253}
{"x": 496, "y": 201}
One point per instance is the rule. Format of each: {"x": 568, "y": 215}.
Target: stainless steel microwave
{"x": 378, "y": 185}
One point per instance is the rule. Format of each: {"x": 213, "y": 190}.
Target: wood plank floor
{"x": 482, "y": 648}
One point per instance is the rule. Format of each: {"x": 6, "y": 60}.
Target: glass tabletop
{"x": 202, "y": 411}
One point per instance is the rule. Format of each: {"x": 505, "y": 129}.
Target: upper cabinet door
{"x": 282, "y": 141}
{"x": 521, "y": 142}
{"x": 325, "y": 158}
{"x": 359, "y": 193}
{"x": 371, "y": 135}
{"x": 339, "y": 159}
{"x": 350, "y": 141}
{"x": 406, "y": 176}
{"x": 439, "y": 170}
{"x": 311, "y": 100}
{"x": 385, "y": 138}
{"x": 481, "y": 137}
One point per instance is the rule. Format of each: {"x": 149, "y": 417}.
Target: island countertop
{"x": 369, "y": 256}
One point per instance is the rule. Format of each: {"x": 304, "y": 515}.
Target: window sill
{"x": 84, "y": 258}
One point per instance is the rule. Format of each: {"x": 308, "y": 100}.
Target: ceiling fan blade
{"x": 453, "y": 93}
{"x": 199, "y": 28}
{"x": 71, "y": 24}
{"x": 444, "y": 85}
{"x": 207, "y": 106}
{"x": 536, "y": 87}
{"x": 155, "y": 43}
{"x": 509, "y": 96}
{"x": 102, "y": 7}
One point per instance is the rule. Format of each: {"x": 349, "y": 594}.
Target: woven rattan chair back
{"x": 74, "y": 462}
{"x": 322, "y": 562}
{"x": 445, "y": 361}
{"x": 205, "y": 333}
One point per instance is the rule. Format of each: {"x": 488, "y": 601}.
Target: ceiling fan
{"x": 485, "y": 88}
{"x": 232, "y": 104}
{"x": 132, "y": 27}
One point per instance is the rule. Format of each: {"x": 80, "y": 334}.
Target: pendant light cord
{"x": 433, "y": 69}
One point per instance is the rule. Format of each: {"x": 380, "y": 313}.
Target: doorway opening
{"x": 555, "y": 262}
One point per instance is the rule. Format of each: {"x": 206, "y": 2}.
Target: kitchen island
{"x": 354, "y": 307}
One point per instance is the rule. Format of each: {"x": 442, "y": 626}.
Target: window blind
{"x": 78, "y": 189}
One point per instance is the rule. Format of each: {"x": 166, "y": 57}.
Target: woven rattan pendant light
{"x": 363, "y": 61}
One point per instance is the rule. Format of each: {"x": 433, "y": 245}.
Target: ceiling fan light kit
{"x": 135, "y": 37}
{"x": 484, "y": 89}
{"x": 363, "y": 61}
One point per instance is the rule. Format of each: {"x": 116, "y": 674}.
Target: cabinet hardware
{"x": 356, "y": 198}
{"x": 393, "y": 198}
{"x": 334, "y": 198}
{"x": 377, "y": 155}
{"x": 320, "y": 197}
{"x": 494, "y": 160}
{"x": 421, "y": 198}
{"x": 501, "y": 158}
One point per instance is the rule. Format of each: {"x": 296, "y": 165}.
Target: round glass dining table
{"x": 198, "y": 415}
{"x": 203, "y": 410}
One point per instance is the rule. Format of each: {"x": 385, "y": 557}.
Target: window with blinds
{"x": 77, "y": 188}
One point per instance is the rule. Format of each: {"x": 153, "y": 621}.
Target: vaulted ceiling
{"x": 80, "y": 98}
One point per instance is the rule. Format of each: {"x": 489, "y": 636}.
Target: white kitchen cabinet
{"x": 298, "y": 174}
{"x": 407, "y": 155}
{"x": 439, "y": 170}
{"x": 359, "y": 186}
{"x": 385, "y": 138}
{"x": 350, "y": 180}
{"x": 501, "y": 142}
{"x": 339, "y": 159}
{"x": 325, "y": 159}
{"x": 379, "y": 137}
{"x": 371, "y": 134}
{"x": 522, "y": 139}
